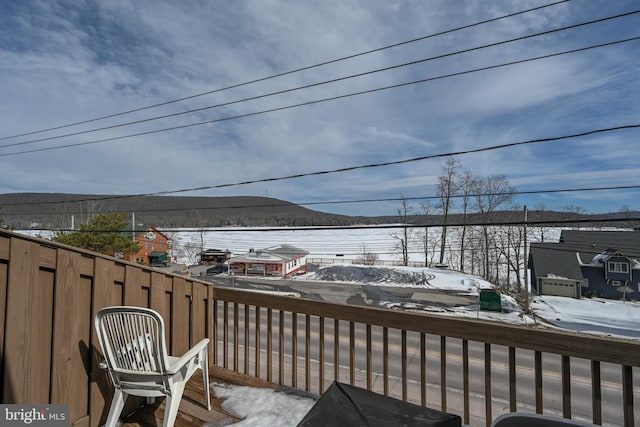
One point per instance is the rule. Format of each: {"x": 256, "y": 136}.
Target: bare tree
{"x": 510, "y": 245}
{"x": 190, "y": 251}
{"x": 467, "y": 185}
{"x": 492, "y": 193}
{"x": 425, "y": 238}
{"x": 628, "y": 212}
{"x": 541, "y": 230}
{"x": 447, "y": 188}
{"x": 577, "y": 211}
{"x": 366, "y": 257}
{"x": 402, "y": 239}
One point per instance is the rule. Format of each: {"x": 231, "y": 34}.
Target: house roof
{"x": 287, "y": 251}
{"x": 279, "y": 253}
{"x": 627, "y": 242}
{"x": 151, "y": 229}
{"x": 563, "y": 259}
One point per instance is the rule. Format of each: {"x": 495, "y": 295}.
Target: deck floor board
{"x": 192, "y": 407}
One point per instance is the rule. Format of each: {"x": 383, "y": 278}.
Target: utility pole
{"x": 526, "y": 263}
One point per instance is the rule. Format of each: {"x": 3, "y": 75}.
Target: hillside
{"x": 55, "y": 210}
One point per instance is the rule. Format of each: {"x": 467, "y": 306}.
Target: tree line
{"x": 492, "y": 252}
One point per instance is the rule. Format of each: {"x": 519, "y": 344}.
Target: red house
{"x": 155, "y": 248}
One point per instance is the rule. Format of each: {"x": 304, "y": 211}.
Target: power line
{"x": 329, "y": 202}
{"x": 366, "y": 166}
{"x": 319, "y": 101}
{"x": 291, "y": 71}
{"x": 308, "y": 86}
{"x": 593, "y": 219}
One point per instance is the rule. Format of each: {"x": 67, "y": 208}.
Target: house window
{"x": 618, "y": 267}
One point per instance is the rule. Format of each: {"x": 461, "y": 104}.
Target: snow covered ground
{"x": 599, "y": 316}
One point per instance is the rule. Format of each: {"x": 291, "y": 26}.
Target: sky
{"x": 65, "y": 62}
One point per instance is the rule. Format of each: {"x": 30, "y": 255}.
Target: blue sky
{"x": 62, "y": 62}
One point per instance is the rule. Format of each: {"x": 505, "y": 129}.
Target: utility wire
{"x": 366, "y": 166}
{"x": 308, "y": 103}
{"x": 311, "y": 85}
{"x": 329, "y": 202}
{"x": 473, "y": 223}
{"x": 291, "y": 71}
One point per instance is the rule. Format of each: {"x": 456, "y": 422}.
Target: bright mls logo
{"x": 37, "y": 415}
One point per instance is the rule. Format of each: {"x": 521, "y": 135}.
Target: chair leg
{"x": 204, "y": 365}
{"x": 172, "y": 403}
{"x": 117, "y": 404}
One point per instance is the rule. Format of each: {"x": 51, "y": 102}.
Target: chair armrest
{"x": 185, "y": 358}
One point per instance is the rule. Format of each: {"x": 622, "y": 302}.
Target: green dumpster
{"x": 490, "y": 300}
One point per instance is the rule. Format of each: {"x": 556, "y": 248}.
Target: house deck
{"x": 192, "y": 410}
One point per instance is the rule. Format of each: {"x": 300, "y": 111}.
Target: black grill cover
{"x": 346, "y": 405}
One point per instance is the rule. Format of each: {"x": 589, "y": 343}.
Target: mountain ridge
{"x": 62, "y": 211}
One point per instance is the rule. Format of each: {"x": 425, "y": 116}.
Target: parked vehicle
{"x": 217, "y": 269}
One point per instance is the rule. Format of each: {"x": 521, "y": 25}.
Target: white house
{"x": 281, "y": 260}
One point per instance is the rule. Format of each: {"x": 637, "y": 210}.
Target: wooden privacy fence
{"x": 49, "y": 295}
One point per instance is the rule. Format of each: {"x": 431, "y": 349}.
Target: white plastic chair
{"x": 135, "y": 351}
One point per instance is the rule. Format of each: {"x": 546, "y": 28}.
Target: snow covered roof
{"x": 279, "y": 253}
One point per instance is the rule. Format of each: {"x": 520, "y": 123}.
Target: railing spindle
{"x": 513, "y": 403}
{"x": 443, "y": 373}
{"x": 281, "y": 347}
{"x": 404, "y": 365}
{"x": 352, "y": 353}
{"x": 465, "y": 378}
{"x": 487, "y": 383}
{"x": 235, "y": 336}
{"x": 566, "y": 387}
{"x": 423, "y": 369}
{"x": 307, "y": 353}
{"x": 596, "y": 392}
{"x": 321, "y": 350}
{"x": 336, "y": 349}
{"x": 368, "y": 357}
{"x": 627, "y": 395}
{"x": 385, "y": 359}
{"x": 269, "y": 344}
{"x": 538, "y": 379}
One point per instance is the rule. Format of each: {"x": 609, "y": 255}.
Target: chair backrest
{"x": 132, "y": 339}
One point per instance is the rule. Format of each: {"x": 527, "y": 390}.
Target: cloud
{"x": 63, "y": 62}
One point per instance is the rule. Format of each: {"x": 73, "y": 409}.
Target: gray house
{"x": 600, "y": 263}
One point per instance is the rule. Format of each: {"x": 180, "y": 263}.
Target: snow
{"x": 259, "y": 407}
{"x": 595, "y": 316}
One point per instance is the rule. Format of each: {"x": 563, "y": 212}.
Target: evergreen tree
{"x": 103, "y": 234}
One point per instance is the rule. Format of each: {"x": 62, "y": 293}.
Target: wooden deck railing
{"x": 476, "y": 369}
{"x": 50, "y": 293}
